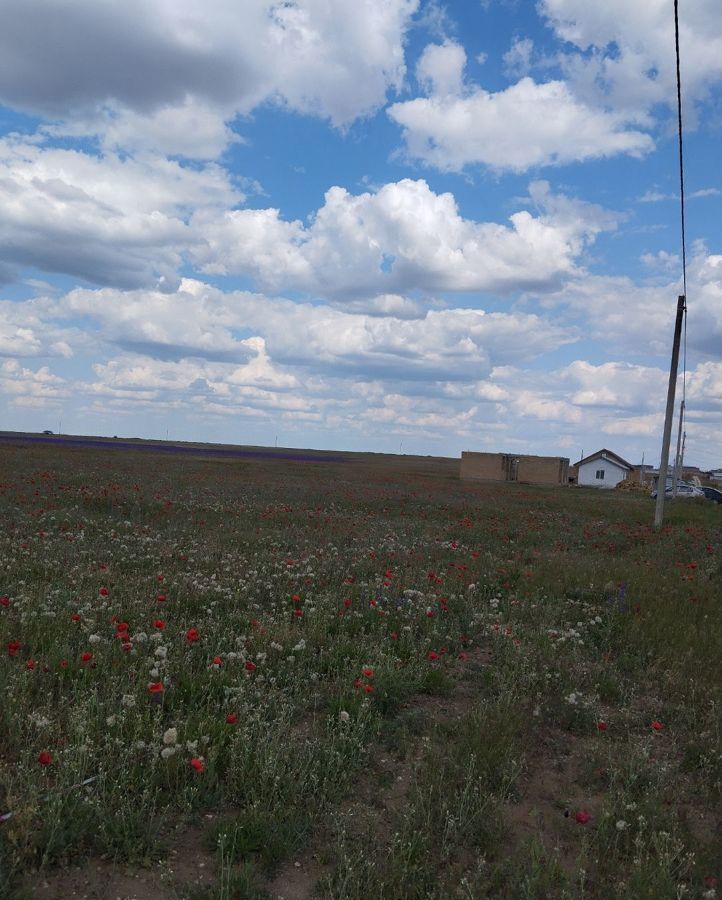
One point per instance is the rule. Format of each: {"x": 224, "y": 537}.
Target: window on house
{"x": 600, "y": 474}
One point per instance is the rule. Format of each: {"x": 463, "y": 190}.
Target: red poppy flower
{"x": 86, "y": 656}
{"x": 104, "y": 592}
{"x": 197, "y": 764}
{"x": 5, "y": 601}
{"x": 13, "y": 647}
{"x": 156, "y": 687}
{"x": 582, "y": 817}
{"x": 463, "y": 655}
{"x": 432, "y": 655}
{"x": 75, "y": 617}
{"x": 30, "y": 664}
{"x": 159, "y": 624}
{"x": 347, "y": 602}
{"x": 296, "y": 598}
{"x": 45, "y": 758}
{"x": 161, "y": 579}
{"x": 231, "y": 718}
{"x": 160, "y": 598}
{"x": 250, "y": 666}
{"x": 601, "y": 726}
{"x": 192, "y": 635}
{"x": 657, "y": 726}
{"x": 127, "y": 646}
{"x": 368, "y": 673}
{"x": 394, "y": 636}
{"x": 298, "y": 613}
{"x": 63, "y": 664}
{"x": 217, "y": 661}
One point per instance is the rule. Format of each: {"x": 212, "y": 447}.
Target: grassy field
{"x": 358, "y": 679}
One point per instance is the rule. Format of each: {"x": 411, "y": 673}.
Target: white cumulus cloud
{"x": 400, "y": 238}
{"x": 526, "y": 125}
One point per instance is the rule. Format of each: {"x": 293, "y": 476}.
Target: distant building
{"x": 643, "y": 472}
{"x": 603, "y": 469}
{"x": 514, "y": 467}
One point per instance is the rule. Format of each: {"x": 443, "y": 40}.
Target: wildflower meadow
{"x": 351, "y": 678}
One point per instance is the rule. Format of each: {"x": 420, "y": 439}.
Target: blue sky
{"x": 388, "y": 225}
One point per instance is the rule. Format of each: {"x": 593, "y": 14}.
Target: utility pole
{"x": 667, "y": 435}
{"x": 677, "y": 459}
{"x": 681, "y": 455}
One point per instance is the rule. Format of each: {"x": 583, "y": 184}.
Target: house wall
{"x": 613, "y": 474}
{"x": 514, "y": 467}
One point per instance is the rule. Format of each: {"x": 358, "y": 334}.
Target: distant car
{"x": 686, "y": 491}
{"x": 712, "y": 494}
{"x": 48, "y": 431}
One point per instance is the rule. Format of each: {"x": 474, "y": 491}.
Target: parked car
{"x": 712, "y": 494}
{"x": 47, "y": 431}
{"x": 687, "y": 491}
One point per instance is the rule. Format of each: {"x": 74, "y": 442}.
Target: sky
{"x": 400, "y": 226}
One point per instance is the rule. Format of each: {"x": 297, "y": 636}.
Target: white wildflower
{"x": 170, "y": 737}
{"x": 343, "y": 716}
{"x": 167, "y": 752}
{"x": 128, "y": 700}
{"x": 95, "y": 639}
{"x": 38, "y": 720}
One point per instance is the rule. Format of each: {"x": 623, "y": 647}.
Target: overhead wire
{"x": 681, "y": 201}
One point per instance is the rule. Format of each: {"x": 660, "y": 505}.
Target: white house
{"x": 602, "y": 469}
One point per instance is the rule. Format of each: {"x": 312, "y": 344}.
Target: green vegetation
{"x": 408, "y": 685}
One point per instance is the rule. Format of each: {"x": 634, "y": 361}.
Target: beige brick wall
{"x": 533, "y": 469}
{"x": 543, "y": 469}
{"x": 485, "y": 466}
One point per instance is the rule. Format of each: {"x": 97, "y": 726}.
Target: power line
{"x": 679, "y": 132}
{"x": 683, "y": 404}
{"x": 681, "y": 206}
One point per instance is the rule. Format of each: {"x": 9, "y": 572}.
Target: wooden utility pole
{"x": 667, "y": 435}
{"x": 678, "y": 458}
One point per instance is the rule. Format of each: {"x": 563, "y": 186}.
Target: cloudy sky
{"x": 393, "y": 225}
